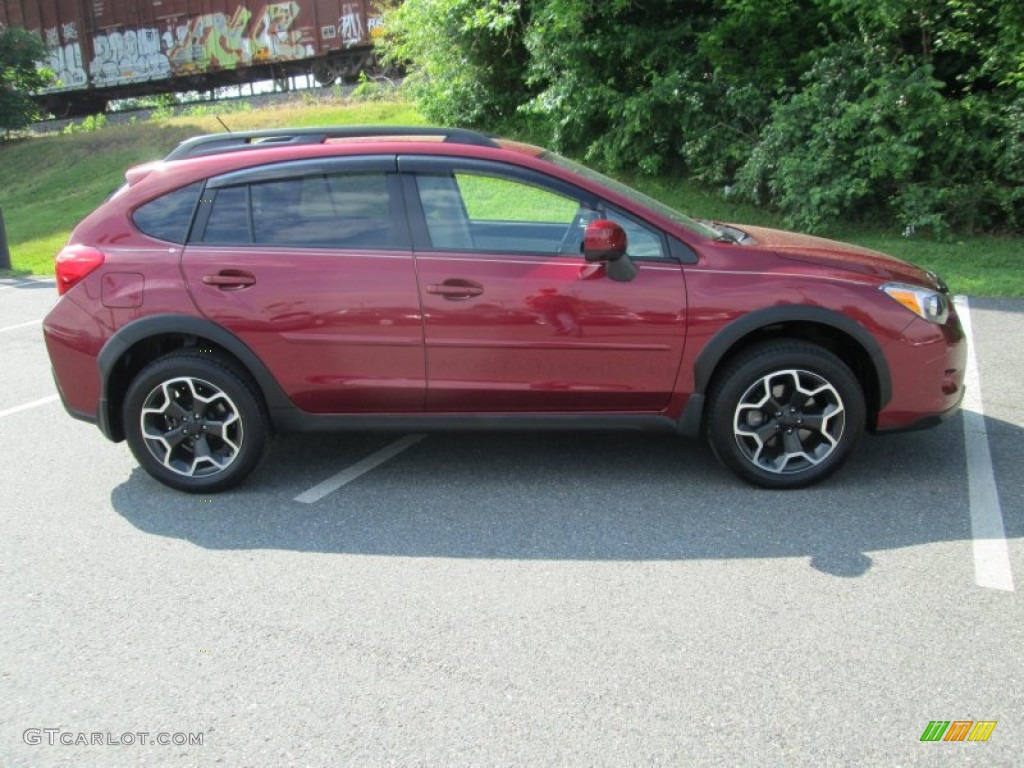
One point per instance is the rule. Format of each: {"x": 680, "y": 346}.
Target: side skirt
{"x": 295, "y": 420}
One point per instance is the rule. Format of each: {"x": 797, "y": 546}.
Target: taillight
{"x": 74, "y": 262}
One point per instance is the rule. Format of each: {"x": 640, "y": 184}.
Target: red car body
{"x": 423, "y": 335}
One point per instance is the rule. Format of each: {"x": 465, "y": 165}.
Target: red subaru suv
{"x": 426, "y": 278}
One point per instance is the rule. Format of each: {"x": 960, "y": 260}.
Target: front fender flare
{"x": 726, "y": 338}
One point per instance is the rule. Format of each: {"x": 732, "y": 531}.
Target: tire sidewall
{"x": 254, "y": 423}
{"x": 759, "y": 362}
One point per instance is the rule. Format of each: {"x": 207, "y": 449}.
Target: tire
{"x": 785, "y": 414}
{"x": 195, "y": 422}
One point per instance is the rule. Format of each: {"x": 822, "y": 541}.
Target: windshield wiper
{"x": 728, "y": 234}
{"x": 722, "y": 235}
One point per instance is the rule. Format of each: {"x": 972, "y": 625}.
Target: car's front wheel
{"x": 785, "y": 414}
{"x": 194, "y": 422}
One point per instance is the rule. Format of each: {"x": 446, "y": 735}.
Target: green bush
{"x": 467, "y": 57}
{"x": 88, "y": 125}
{"x": 848, "y": 140}
{"x": 904, "y": 111}
{"x": 372, "y": 88}
{"x": 868, "y": 136}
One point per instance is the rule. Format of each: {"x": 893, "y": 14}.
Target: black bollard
{"x": 5, "y": 253}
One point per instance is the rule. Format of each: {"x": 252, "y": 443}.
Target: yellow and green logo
{"x": 958, "y": 730}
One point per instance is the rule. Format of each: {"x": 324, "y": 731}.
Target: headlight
{"x": 923, "y": 302}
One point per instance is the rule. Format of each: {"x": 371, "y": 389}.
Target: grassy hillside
{"x": 51, "y": 182}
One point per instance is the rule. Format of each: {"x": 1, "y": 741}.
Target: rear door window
{"x": 314, "y": 211}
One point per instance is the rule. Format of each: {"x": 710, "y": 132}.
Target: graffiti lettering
{"x": 376, "y": 26}
{"x": 190, "y": 44}
{"x": 128, "y": 57}
{"x": 351, "y": 25}
{"x": 215, "y": 40}
{"x": 65, "y": 60}
{"x": 210, "y": 41}
{"x": 273, "y": 36}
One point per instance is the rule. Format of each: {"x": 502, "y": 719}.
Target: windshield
{"x": 631, "y": 194}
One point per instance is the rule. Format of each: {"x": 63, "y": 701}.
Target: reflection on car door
{"x": 311, "y": 265}
{"x": 515, "y": 319}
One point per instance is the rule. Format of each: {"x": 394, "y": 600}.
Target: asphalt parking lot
{"x": 509, "y": 599}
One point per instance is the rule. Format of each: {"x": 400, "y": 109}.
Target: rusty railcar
{"x": 110, "y": 49}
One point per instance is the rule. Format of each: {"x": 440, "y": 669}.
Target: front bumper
{"x": 927, "y": 365}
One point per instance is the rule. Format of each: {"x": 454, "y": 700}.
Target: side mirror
{"x": 605, "y": 241}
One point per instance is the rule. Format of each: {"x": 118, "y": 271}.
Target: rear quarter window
{"x": 168, "y": 217}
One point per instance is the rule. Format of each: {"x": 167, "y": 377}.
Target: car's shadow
{"x": 601, "y": 496}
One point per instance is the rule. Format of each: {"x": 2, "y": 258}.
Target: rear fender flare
{"x": 153, "y": 326}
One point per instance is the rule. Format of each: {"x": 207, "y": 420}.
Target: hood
{"x": 832, "y": 253}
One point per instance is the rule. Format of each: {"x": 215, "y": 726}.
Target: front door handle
{"x": 230, "y": 279}
{"x": 456, "y": 289}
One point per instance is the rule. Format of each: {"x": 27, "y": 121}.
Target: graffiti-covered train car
{"x": 110, "y": 49}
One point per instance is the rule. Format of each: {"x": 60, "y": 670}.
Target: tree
{"x": 467, "y": 56}
{"x": 909, "y": 112}
{"x": 20, "y": 76}
{"x": 912, "y": 114}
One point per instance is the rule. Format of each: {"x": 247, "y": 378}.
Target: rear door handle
{"x": 230, "y": 279}
{"x": 456, "y": 289}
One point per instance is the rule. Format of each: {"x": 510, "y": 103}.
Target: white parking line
{"x": 32, "y": 404}
{"x": 358, "y": 469}
{"x": 21, "y": 325}
{"x": 5, "y": 286}
{"x": 991, "y": 555}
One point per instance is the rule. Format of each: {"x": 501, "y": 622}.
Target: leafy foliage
{"x": 849, "y": 140}
{"x": 613, "y": 79}
{"x": 468, "y": 56}
{"x": 88, "y": 125}
{"x": 19, "y": 77}
{"x": 907, "y": 111}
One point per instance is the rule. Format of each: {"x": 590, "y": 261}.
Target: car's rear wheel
{"x": 194, "y": 422}
{"x": 785, "y": 414}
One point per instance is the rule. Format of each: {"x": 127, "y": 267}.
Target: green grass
{"x": 977, "y": 266}
{"x": 490, "y": 199}
{"x": 51, "y": 182}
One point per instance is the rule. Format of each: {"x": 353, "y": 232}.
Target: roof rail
{"x": 218, "y": 143}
